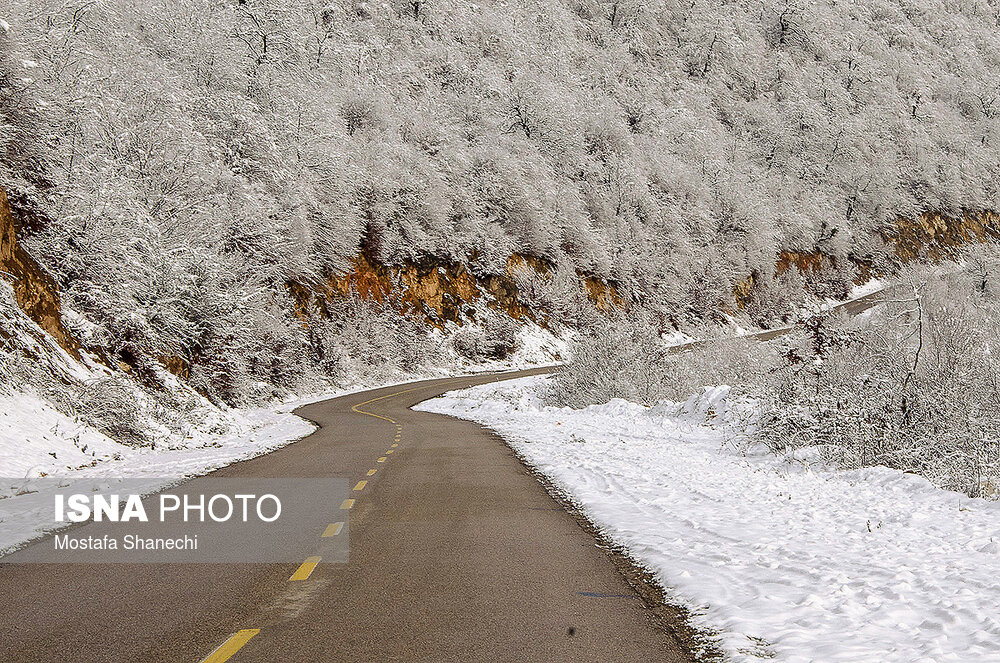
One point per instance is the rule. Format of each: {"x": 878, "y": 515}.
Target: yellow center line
{"x": 357, "y": 408}
{"x": 394, "y": 446}
{"x": 382, "y": 459}
{"x": 306, "y": 569}
{"x": 371, "y": 472}
{"x": 226, "y": 650}
{"x": 332, "y": 529}
{"x": 360, "y": 485}
{"x": 389, "y": 451}
{"x": 347, "y": 504}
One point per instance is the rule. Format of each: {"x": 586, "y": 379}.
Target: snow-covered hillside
{"x": 190, "y": 172}
{"x": 786, "y": 559}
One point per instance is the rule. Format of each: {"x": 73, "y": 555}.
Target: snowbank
{"x": 37, "y": 440}
{"x": 786, "y": 559}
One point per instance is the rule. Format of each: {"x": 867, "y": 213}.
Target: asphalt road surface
{"x": 457, "y": 553}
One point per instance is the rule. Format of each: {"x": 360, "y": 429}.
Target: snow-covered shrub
{"x": 621, "y": 357}
{"x": 494, "y": 337}
{"x": 9, "y": 350}
{"x": 111, "y": 405}
{"x": 626, "y": 357}
{"x": 557, "y": 296}
{"x": 771, "y": 301}
{"x": 914, "y": 386}
{"x": 359, "y": 114}
{"x": 366, "y": 336}
{"x": 724, "y": 361}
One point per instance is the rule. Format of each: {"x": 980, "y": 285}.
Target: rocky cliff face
{"x": 931, "y": 236}
{"x": 443, "y": 290}
{"x": 34, "y": 290}
{"x": 938, "y": 237}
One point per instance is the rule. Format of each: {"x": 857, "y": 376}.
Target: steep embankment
{"x": 35, "y": 291}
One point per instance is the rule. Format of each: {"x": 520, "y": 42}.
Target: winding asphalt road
{"x": 457, "y": 553}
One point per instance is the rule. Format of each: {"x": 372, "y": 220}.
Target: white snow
{"x": 535, "y": 346}
{"x": 675, "y": 337}
{"x": 869, "y": 287}
{"x": 782, "y": 557}
{"x": 38, "y": 440}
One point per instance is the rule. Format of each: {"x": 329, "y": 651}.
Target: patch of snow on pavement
{"x": 786, "y": 559}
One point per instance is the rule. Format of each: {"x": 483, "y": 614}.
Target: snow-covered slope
{"x": 786, "y": 559}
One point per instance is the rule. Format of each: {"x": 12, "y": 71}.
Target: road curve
{"x": 457, "y": 553}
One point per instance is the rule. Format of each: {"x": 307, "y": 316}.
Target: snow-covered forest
{"x": 187, "y": 160}
{"x": 913, "y": 384}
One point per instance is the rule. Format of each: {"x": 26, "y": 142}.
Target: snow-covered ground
{"x": 36, "y": 440}
{"x": 786, "y": 559}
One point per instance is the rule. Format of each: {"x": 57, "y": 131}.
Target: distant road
{"x": 852, "y": 307}
{"x": 457, "y": 553}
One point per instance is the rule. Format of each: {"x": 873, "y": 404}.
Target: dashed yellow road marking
{"x": 389, "y": 451}
{"x": 371, "y": 472}
{"x": 357, "y": 408}
{"x": 306, "y": 569}
{"x": 347, "y": 504}
{"x": 226, "y": 650}
{"x": 333, "y": 529}
{"x": 382, "y": 459}
{"x": 360, "y": 485}
{"x": 394, "y": 446}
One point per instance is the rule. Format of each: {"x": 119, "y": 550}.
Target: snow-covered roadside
{"x": 37, "y": 440}
{"x": 787, "y": 560}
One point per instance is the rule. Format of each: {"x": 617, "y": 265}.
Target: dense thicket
{"x": 201, "y": 153}
{"x": 913, "y": 384}
{"x": 916, "y": 386}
